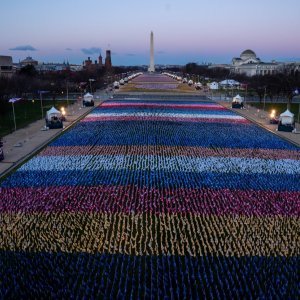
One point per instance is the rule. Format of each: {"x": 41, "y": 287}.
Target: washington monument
{"x": 151, "y": 66}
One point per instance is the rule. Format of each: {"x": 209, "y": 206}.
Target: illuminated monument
{"x": 151, "y": 66}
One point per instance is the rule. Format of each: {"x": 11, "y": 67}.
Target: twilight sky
{"x": 184, "y": 31}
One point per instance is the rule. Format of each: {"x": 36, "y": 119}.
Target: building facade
{"x": 6, "y": 66}
{"x": 28, "y": 61}
{"x": 250, "y": 65}
{"x": 108, "y": 64}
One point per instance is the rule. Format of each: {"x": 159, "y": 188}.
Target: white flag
{"x": 13, "y": 100}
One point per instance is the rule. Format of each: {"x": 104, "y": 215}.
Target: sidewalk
{"x": 261, "y": 118}
{"x": 24, "y": 142}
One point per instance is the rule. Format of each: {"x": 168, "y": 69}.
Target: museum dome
{"x": 29, "y": 61}
{"x": 247, "y": 54}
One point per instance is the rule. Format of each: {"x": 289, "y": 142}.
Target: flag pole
{"x": 12, "y": 101}
{"x": 14, "y": 115}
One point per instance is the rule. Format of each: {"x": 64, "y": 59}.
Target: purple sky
{"x": 184, "y": 31}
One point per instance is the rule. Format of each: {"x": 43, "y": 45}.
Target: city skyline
{"x": 212, "y": 32}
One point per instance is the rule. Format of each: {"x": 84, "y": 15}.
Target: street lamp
{"x": 91, "y": 80}
{"x": 41, "y": 99}
{"x": 67, "y": 93}
{"x": 265, "y": 97}
{"x": 246, "y": 93}
{"x": 53, "y": 92}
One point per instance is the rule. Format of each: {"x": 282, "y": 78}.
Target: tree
{"x": 28, "y": 70}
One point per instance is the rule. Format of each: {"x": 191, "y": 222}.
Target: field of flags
{"x": 150, "y": 198}
{"x": 157, "y": 82}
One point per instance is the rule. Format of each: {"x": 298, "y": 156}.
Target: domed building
{"x": 28, "y": 61}
{"x": 247, "y": 57}
{"x": 248, "y": 54}
{"x": 249, "y": 64}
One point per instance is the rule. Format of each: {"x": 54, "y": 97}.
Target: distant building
{"x": 108, "y": 64}
{"x": 213, "y": 85}
{"x": 229, "y": 83}
{"x": 28, "y": 61}
{"x": 100, "y": 61}
{"x": 6, "y": 66}
{"x": 248, "y": 64}
{"x": 89, "y": 65}
{"x": 57, "y": 67}
{"x": 291, "y": 68}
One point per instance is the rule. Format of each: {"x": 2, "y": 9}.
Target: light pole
{"x": 67, "y": 93}
{"x": 265, "y": 98}
{"x": 53, "y": 93}
{"x": 14, "y": 115}
{"x": 41, "y": 99}
{"x": 91, "y": 80}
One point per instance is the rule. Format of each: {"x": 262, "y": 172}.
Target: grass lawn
{"x": 27, "y": 112}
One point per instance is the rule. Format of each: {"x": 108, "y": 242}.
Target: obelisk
{"x": 151, "y": 67}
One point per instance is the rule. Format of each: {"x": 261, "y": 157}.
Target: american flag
{"x": 13, "y": 100}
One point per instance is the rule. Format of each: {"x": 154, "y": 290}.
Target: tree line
{"x": 280, "y": 85}
{"x": 27, "y": 82}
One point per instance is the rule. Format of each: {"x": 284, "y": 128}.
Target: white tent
{"x": 198, "y": 85}
{"x": 238, "y": 99}
{"x": 229, "y": 82}
{"x": 286, "y": 118}
{"x": 213, "y": 85}
{"x": 88, "y": 97}
{"x": 53, "y": 112}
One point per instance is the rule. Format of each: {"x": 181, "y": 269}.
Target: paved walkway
{"x": 261, "y": 118}
{"x": 19, "y": 145}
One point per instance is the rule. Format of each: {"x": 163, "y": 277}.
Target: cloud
{"x": 92, "y": 50}
{"x": 23, "y": 48}
{"x": 161, "y": 52}
{"x": 68, "y": 49}
{"x": 130, "y": 54}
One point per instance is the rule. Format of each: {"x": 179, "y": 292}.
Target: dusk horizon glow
{"x": 212, "y": 32}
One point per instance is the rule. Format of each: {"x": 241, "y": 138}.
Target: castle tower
{"x": 151, "y": 66}
{"x": 100, "y": 61}
{"x": 108, "y": 64}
